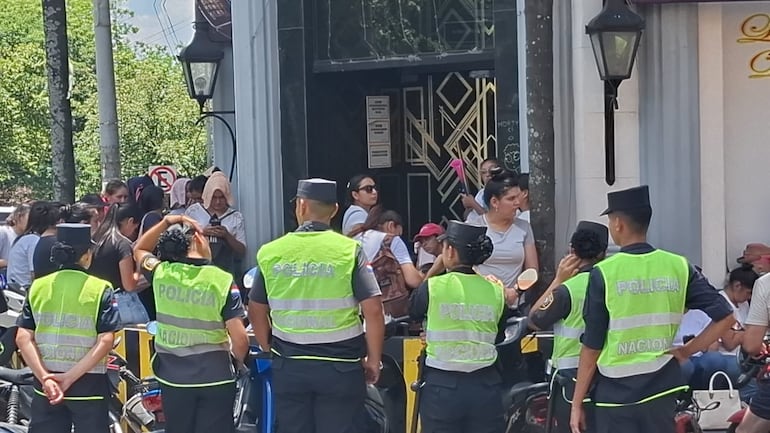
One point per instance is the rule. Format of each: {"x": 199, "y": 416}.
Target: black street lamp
{"x": 615, "y": 35}
{"x": 200, "y": 62}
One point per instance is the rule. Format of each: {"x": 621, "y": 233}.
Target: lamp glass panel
{"x": 619, "y": 52}
{"x": 596, "y": 44}
{"x": 203, "y": 75}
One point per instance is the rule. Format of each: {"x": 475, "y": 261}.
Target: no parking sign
{"x": 164, "y": 176}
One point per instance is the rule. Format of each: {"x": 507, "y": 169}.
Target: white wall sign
{"x": 378, "y": 131}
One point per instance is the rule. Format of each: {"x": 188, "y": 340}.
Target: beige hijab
{"x": 217, "y": 181}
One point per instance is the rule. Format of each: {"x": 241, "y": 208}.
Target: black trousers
{"x": 318, "y": 396}
{"x": 467, "y": 404}
{"x": 654, "y": 416}
{"x": 562, "y": 408}
{"x": 200, "y": 409}
{"x": 88, "y": 416}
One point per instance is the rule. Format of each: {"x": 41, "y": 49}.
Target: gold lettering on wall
{"x": 756, "y": 29}
{"x": 760, "y": 65}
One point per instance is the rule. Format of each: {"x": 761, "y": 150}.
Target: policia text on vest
{"x": 66, "y": 329}
{"x": 200, "y": 331}
{"x": 306, "y": 296}
{"x": 634, "y": 304}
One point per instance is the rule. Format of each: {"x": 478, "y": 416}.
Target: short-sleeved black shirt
{"x": 200, "y": 369}
{"x": 364, "y": 286}
{"x": 701, "y": 295}
{"x": 105, "y": 263}
{"x": 90, "y": 384}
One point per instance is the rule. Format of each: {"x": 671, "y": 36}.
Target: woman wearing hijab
{"x": 180, "y": 196}
{"x": 223, "y": 225}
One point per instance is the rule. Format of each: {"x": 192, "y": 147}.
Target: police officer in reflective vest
{"x": 561, "y": 307}
{"x": 65, "y": 333}
{"x": 198, "y": 307}
{"x": 634, "y": 303}
{"x": 463, "y": 310}
{"x": 310, "y": 284}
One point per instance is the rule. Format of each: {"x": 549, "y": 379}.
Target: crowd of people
{"x": 180, "y": 263}
{"x": 118, "y": 216}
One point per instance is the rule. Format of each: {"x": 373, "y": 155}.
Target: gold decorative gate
{"x": 449, "y": 116}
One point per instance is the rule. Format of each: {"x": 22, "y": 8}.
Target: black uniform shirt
{"x": 90, "y": 384}
{"x": 418, "y": 311}
{"x": 203, "y": 368}
{"x": 701, "y": 295}
{"x": 364, "y": 286}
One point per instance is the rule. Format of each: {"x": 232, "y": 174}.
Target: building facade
{"x": 444, "y": 83}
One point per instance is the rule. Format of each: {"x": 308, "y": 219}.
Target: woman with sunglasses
{"x": 362, "y": 195}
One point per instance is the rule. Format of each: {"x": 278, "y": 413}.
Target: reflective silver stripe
{"x": 484, "y": 337}
{"x": 636, "y": 368}
{"x": 564, "y": 363}
{"x": 198, "y": 349}
{"x": 64, "y": 366}
{"x": 203, "y": 325}
{"x": 465, "y": 367}
{"x": 70, "y": 340}
{"x": 312, "y": 304}
{"x": 641, "y": 320}
{"x": 560, "y": 330}
{"x": 319, "y": 337}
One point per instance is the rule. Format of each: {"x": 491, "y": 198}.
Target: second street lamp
{"x": 615, "y": 34}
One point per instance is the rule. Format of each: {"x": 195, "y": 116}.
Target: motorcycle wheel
{"x": 528, "y": 417}
{"x": 732, "y": 428}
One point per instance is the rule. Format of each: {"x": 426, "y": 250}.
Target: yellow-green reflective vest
{"x": 66, "y": 306}
{"x": 308, "y": 278}
{"x": 189, "y": 300}
{"x": 463, "y": 315}
{"x": 645, "y": 296}
{"x": 567, "y": 332}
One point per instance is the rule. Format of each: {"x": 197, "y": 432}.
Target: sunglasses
{"x": 368, "y": 188}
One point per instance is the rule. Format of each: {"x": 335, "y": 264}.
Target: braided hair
{"x": 174, "y": 243}
{"x": 476, "y": 252}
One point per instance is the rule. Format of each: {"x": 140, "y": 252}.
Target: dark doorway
{"x": 434, "y": 117}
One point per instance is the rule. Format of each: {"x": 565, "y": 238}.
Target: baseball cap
{"x": 753, "y": 252}
{"x": 428, "y": 230}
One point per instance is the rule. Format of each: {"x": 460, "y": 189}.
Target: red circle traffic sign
{"x": 163, "y": 176}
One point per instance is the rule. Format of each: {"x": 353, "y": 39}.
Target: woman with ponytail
{"x": 66, "y": 329}
{"x": 464, "y": 314}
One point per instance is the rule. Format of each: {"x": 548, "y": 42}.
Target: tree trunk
{"x": 57, "y": 66}
{"x": 539, "y": 18}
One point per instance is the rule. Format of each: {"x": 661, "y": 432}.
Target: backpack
{"x": 387, "y": 270}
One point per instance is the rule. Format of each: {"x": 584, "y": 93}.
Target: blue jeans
{"x": 699, "y": 369}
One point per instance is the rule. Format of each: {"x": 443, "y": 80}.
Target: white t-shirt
{"x": 232, "y": 221}
{"x": 371, "y": 242}
{"x": 695, "y": 321}
{"x": 480, "y": 199}
{"x": 354, "y": 215}
{"x": 507, "y": 258}
{"x": 20, "y": 265}
{"x": 759, "y": 311}
{"x": 7, "y": 235}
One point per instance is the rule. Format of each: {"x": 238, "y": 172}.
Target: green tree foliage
{"x": 155, "y": 114}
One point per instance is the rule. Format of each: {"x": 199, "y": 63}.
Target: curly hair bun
{"x": 174, "y": 243}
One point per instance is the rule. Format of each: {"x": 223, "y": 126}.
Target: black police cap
{"x": 73, "y": 234}
{"x": 322, "y": 190}
{"x": 628, "y": 199}
{"x": 461, "y": 234}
